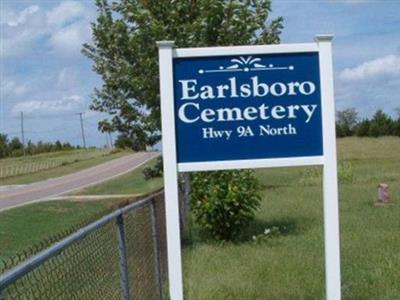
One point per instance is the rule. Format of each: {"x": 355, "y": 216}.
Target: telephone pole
{"x": 22, "y": 133}
{"x": 111, "y": 141}
{"x": 83, "y": 132}
{"x": 107, "y": 144}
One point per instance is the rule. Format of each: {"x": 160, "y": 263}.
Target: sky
{"x": 44, "y": 75}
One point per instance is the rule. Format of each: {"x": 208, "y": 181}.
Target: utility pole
{"x": 22, "y": 133}
{"x": 107, "y": 142}
{"x": 111, "y": 141}
{"x": 83, "y": 132}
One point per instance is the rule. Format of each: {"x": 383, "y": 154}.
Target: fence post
{"x": 123, "y": 263}
{"x": 156, "y": 248}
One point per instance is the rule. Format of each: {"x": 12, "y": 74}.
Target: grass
{"x": 27, "y": 225}
{"x": 291, "y": 265}
{"x": 287, "y": 266}
{"x": 77, "y": 165}
{"x": 24, "y": 226}
{"x": 130, "y": 183}
{"x": 355, "y": 148}
{"x": 42, "y": 157}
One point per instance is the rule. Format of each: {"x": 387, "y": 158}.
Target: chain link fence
{"x": 120, "y": 256}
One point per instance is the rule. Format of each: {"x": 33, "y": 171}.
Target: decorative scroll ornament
{"x": 242, "y": 64}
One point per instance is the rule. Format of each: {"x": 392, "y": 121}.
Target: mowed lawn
{"x": 291, "y": 265}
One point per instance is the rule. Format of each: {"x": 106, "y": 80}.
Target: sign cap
{"x": 324, "y": 37}
{"x": 165, "y": 44}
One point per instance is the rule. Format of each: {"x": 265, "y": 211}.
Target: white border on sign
{"x": 245, "y": 50}
{"x": 323, "y": 46}
{"x": 251, "y": 163}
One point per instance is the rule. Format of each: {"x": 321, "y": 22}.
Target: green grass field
{"x": 291, "y": 265}
{"x": 54, "y": 164}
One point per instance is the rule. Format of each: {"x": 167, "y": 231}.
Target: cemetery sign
{"x": 248, "y": 107}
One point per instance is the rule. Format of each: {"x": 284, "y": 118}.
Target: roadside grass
{"x": 24, "y": 226}
{"x": 291, "y": 265}
{"x": 130, "y": 183}
{"x": 76, "y": 165}
{"x": 42, "y": 157}
{"x": 28, "y": 225}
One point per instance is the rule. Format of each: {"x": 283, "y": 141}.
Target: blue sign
{"x": 247, "y": 107}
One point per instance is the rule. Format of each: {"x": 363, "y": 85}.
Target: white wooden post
{"x": 330, "y": 182}
{"x": 170, "y": 170}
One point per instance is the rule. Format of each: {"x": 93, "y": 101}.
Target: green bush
{"x": 154, "y": 171}
{"x": 224, "y": 202}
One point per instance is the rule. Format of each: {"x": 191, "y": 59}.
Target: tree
{"x": 67, "y": 146}
{"x": 30, "y": 148}
{"x": 381, "y": 124}
{"x": 125, "y": 55}
{"x": 346, "y": 120}
{"x": 362, "y": 128}
{"x": 397, "y": 110}
{"x": 15, "y": 145}
{"x": 396, "y": 129}
{"x": 124, "y": 51}
{"x": 3, "y": 145}
{"x": 58, "y": 146}
{"x": 397, "y": 122}
{"x": 123, "y": 142}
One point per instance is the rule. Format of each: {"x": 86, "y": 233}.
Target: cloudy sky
{"x": 44, "y": 74}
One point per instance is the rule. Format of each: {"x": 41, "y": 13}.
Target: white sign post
{"x": 170, "y": 171}
{"x": 330, "y": 182}
{"x": 178, "y": 136}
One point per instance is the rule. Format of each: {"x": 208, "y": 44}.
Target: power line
{"x": 89, "y": 131}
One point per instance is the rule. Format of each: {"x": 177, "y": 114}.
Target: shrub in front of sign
{"x": 224, "y": 202}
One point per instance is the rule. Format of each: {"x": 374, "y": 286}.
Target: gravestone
{"x": 383, "y": 195}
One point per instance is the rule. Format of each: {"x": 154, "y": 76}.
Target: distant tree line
{"x": 14, "y": 147}
{"x": 349, "y": 124}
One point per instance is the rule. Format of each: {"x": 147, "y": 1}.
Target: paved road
{"x": 23, "y": 194}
